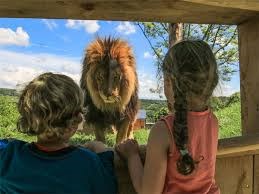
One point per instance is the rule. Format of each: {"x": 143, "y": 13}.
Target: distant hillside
{"x": 8, "y": 92}
{"x": 154, "y": 107}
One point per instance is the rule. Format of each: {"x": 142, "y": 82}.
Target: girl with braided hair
{"x": 181, "y": 149}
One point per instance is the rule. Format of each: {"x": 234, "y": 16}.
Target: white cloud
{"x": 51, "y": 24}
{"x": 126, "y": 28}
{"x": 72, "y": 24}
{"x": 17, "y": 68}
{"x": 10, "y": 37}
{"x": 146, "y": 82}
{"x": 90, "y": 26}
{"x": 147, "y": 55}
{"x": 224, "y": 89}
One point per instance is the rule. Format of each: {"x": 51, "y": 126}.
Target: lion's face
{"x": 109, "y": 73}
{"x": 108, "y": 80}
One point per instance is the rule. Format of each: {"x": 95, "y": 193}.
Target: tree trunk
{"x": 175, "y": 34}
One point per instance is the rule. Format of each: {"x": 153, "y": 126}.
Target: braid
{"x": 194, "y": 75}
{"x": 185, "y": 164}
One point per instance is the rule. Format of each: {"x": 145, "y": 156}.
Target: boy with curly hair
{"x": 50, "y": 108}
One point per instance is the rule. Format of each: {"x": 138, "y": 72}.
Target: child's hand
{"x": 128, "y": 148}
{"x": 96, "y": 146}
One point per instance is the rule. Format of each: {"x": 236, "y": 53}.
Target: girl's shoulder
{"x": 161, "y": 131}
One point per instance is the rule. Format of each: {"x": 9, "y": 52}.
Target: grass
{"x": 229, "y": 122}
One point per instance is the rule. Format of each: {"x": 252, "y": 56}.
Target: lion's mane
{"x": 97, "y": 111}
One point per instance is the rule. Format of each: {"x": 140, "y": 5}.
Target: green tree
{"x": 161, "y": 112}
{"x": 221, "y": 38}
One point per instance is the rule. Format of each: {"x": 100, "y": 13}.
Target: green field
{"x": 228, "y": 115}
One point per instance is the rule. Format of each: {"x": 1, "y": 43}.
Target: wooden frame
{"x": 187, "y": 11}
{"x": 256, "y": 174}
{"x": 238, "y": 158}
{"x": 236, "y": 170}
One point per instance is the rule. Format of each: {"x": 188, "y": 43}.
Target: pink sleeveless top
{"x": 202, "y": 144}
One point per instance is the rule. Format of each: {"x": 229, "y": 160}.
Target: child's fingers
{"x": 119, "y": 152}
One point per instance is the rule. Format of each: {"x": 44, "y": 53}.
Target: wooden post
{"x": 234, "y": 175}
{"x": 249, "y": 75}
{"x": 175, "y": 34}
{"x": 256, "y": 174}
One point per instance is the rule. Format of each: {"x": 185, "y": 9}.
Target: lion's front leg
{"x": 99, "y": 134}
{"x": 130, "y": 131}
{"x": 122, "y": 130}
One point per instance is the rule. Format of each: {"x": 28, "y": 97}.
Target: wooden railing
{"x": 236, "y": 170}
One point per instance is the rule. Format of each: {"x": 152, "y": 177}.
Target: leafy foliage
{"x": 228, "y": 113}
{"x": 8, "y": 92}
{"x": 152, "y": 107}
{"x": 217, "y": 103}
{"x": 163, "y": 111}
{"x": 221, "y": 38}
{"x": 8, "y": 111}
{"x": 229, "y": 120}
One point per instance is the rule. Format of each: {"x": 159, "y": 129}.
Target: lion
{"x": 110, "y": 85}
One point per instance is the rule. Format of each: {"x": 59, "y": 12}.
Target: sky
{"x": 29, "y": 47}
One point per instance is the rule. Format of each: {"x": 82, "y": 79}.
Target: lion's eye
{"x": 117, "y": 77}
{"x": 99, "y": 77}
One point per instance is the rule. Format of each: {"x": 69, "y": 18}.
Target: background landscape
{"x": 227, "y": 109}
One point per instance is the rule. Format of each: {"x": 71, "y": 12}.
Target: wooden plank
{"x": 235, "y": 175}
{"x": 125, "y": 185}
{"x": 249, "y": 75}
{"x": 229, "y": 147}
{"x": 240, "y": 4}
{"x": 256, "y": 174}
{"x": 149, "y": 10}
{"x": 238, "y": 146}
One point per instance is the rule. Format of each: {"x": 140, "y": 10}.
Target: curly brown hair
{"x": 194, "y": 74}
{"x": 50, "y": 105}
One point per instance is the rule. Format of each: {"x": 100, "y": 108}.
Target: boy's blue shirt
{"x": 76, "y": 170}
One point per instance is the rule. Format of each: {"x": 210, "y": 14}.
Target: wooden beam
{"x": 249, "y": 75}
{"x": 234, "y": 168}
{"x": 229, "y": 147}
{"x": 134, "y": 10}
{"x": 240, "y": 4}
{"x": 238, "y": 146}
{"x": 235, "y": 175}
{"x": 256, "y": 174}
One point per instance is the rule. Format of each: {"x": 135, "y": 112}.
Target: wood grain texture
{"x": 234, "y": 175}
{"x": 256, "y": 174}
{"x": 249, "y": 75}
{"x": 134, "y": 10}
{"x": 238, "y": 146}
{"x": 240, "y": 4}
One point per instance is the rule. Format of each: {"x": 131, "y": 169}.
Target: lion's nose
{"x": 109, "y": 92}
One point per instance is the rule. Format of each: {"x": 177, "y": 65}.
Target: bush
{"x": 233, "y": 98}
{"x": 163, "y": 111}
{"x": 216, "y": 103}
{"x": 8, "y": 111}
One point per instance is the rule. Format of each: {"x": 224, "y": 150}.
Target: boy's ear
{"x": 81, "y": 124}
